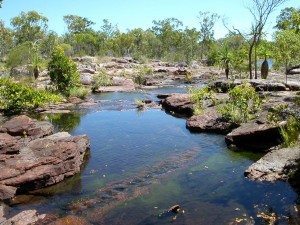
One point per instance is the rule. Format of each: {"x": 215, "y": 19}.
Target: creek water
{"x": 143, "y": 162}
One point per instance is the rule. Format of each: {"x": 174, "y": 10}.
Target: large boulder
{"x": 178, "y": 103}
{"x": 275, "y": 165}
{"x": 44, "y": 161}
{"x": 25, "y": 126}
{"x": 31, "y": 159}
{"x": 254, "y": 136}
{"x": 209, "y": 121}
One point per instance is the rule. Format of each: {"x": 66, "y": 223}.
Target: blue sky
{"x": 129, "y": 14}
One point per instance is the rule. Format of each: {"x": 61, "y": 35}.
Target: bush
{"x": 243, "y": 103}
{"x": 101, "y": 79}
{"x": 16, "y": 97}
{"x": 290, "y": 133}
{"x": 63, "y": 71}
{"x": 201, "y": 97}
{"x": 79, "y": 92}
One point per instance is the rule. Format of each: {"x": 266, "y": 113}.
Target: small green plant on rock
{"x": 101, "y": 79}
{"x": 291, "y": 131}
{"x": 277, "y": 113}
{"x": 140, "y": 104}
{"x": 201, "y": 97}
{"x": 242, "y": 105}
{"x": 79, "y": 92}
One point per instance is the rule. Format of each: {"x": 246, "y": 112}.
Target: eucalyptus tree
{"x": 78, "y": 24}
{"x": 207, "y": 21}
{"x": 289, "y": 19}
{"x": 190, "y": 45}
{"x": 6, "y": 39}
{"x": 286, "y": 49}
{"x": 260, "y": 11}
{"x": 29, "y": 26}
{"x": 169, "y": 33}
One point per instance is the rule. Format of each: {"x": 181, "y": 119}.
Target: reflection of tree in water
{"x": 65, "y": 122}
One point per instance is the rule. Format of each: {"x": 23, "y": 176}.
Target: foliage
{"x": 290, "y": 133}
{"x": 243, "y": 103}
{"x": 289, "y": 19}
{"x": 79, "y": 92}
{"x": 225, "y": 57}
{"x": 207, "y": 21}
{"x": 277, "y": 113}
{"x": 201, "y": 97}
{"x": 19, "y": 56}
{"x": 6, "y": 39}
{"x": 16, "y": 97}
{"x": 286, "y": 48}
{"x": 78, "y": 24}
{"x": 142, "y": 71}
{"x": 101, "y": 79}
{"x": 140, "y": 104}
{"x": 63, "y": 71}
{"x": 29, "y": 26}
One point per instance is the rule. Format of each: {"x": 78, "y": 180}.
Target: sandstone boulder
{"x": 31, "y": 159}
{"x": 178, "y": 103}
{"x": 276, "y": 165}
{"x": 254, "y": 136}
{"x": 209, "y": 121}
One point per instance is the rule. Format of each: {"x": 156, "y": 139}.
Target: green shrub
{"x": 290, "y": 133}
{"x": 277, "y": 113}
{"x": 201, "y": 97}
{"x": 79, "y": 92}
{"x": 243, "y": 103}
{"x": 101, "y": 79}
{"x": 140, "y": 104}
{"x": 16, "y": 97}
{"x": 63, "y": 71}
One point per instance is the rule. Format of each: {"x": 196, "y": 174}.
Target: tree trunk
{"x": 250, "y": 60}
{"x": 264, "y": 69}
{"x": 255, "y": 61}
{"x": 36, "y": 72}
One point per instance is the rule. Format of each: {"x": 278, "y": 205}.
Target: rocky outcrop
{"x": 209, "y": 121}
{"x": 178, "y": 103}
{"x": 254, "y": 136}
{"x": 31, "y": 158}
{"x": 24, "y": 218}
{"x": 276, "y": 165}
{"x": 119, "y": 84}
{"x": 259, "y": 85}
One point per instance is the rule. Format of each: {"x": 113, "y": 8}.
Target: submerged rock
{"x": 276, "y": 165}
{"x": 24, "y": 218}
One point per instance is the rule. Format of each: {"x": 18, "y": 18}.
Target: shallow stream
{"x": 143, "y": 162}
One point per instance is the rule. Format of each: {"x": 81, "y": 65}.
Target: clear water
{"x": 142, "y": 163}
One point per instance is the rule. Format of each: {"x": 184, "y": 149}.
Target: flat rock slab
{"x": 209, "y": 121}
{"x": 254, "y": 136}
{"x": 24, "y": 218}
{"x": 178, "y": 103}
{"x": 31, "y": 159}
{"x": 119, "y": 84}
{"x": 276, "y": 165}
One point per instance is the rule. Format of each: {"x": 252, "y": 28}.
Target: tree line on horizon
{"x": 29, "y": 41}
